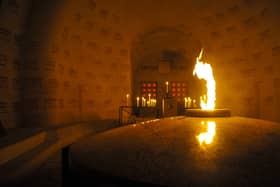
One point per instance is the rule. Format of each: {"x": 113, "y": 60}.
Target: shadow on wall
{"x": 35, "y": 84}
{"x": 62, "y": 80}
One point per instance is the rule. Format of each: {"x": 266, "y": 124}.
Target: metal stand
{"x": 65, "y": 161}
{"x": 2, "y": 129}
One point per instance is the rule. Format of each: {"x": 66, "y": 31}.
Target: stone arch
{"x": 163, "y": 54}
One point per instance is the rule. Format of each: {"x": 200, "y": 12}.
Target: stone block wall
{"x": 12, "y": 23}
{"x": 73, "y": 65}
{"x": 68, "y": 61}
{"x": 240, "y": 40}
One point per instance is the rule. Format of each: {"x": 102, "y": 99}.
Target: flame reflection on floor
{"x": 207, "y": 137}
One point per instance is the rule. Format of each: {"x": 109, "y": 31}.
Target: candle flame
{"x": 204, "y": 71}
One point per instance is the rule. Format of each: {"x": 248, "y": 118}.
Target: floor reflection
{"x": 207, "y": 137}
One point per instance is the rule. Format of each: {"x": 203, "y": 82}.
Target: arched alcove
{"x": 164, "y": 54}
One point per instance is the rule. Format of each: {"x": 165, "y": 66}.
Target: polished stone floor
{"x": 178, "y": 151}
{"x": 184, "y": 151}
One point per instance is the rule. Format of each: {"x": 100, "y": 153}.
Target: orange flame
{"x": 204, "y": 71}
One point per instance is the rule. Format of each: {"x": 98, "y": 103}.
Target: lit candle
{"x": 127, "y": 99}
{"x": 149, "y": 97}
{"x": 166, "y": 86}
{"x": 162, "y": 107}
{"x": 189, "y": 102}
{"x": 194, "y": 103}
{"x": 153, "y": 102}
{"x": 186, "y": 101}
{"x": 137, "y": 102}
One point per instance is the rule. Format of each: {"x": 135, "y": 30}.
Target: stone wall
{"x": 81, "y": 61}
{"x": 240, "y": 39}
{"x": 71, "y": 61}
{"x": 73, "y": 65}
{"x": 12, "y": 23}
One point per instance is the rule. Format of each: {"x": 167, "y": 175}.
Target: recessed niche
{"x": 164, "y": 67}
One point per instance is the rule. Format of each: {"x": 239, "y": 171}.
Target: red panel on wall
{"x": 149, "y": 87}
{"x": 178, "y": 89}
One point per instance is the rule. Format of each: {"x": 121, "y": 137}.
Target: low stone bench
{"x": 20, "y": 156}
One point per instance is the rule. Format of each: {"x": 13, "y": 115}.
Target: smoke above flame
{"x": 204, "y": 71}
